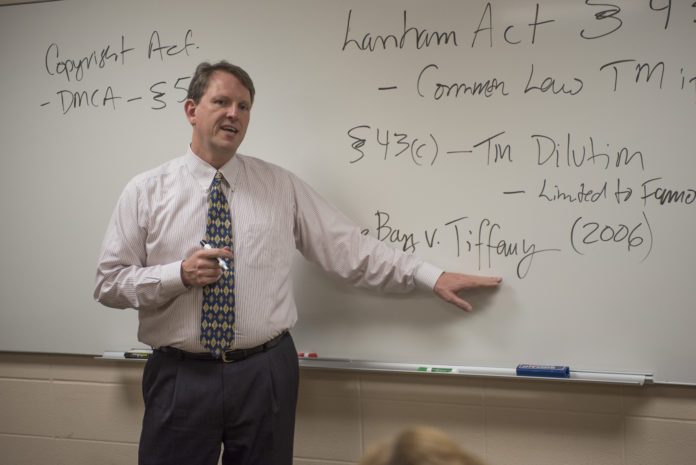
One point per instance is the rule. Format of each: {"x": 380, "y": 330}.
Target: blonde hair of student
{"x": 419, "y": 446}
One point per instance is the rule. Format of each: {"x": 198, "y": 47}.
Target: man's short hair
{"x": 201, "y": 78}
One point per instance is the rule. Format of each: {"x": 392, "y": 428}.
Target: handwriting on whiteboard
{"x": 72, "y": 68}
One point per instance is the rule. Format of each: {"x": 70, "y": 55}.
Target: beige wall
{"x": 76, "y": 410}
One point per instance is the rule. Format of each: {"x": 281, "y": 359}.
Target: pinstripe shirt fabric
{"x": 159, "y": 221}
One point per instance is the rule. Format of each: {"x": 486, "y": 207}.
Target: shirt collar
{"x": 204, "y": 173}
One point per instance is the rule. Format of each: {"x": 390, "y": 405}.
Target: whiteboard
{"x": 548, "y": 142}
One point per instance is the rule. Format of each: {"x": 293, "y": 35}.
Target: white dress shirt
{"x": 160, "y": 219}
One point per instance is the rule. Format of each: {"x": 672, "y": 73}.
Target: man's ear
{"x": 190, "y": 109}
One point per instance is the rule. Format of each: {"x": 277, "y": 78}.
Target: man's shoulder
{"x": 265, "y": 171}
{"x": 167, "y": 169}
{"x": 257, "y": 164}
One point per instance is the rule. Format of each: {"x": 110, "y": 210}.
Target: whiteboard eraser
{"x": 544, "y": 371}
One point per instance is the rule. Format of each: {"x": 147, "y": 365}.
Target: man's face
{"x": 220, "y": 119}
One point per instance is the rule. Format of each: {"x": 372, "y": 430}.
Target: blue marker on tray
{"x": 544, "y": 371}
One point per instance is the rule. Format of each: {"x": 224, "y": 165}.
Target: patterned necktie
{"x": 217, "y": 316}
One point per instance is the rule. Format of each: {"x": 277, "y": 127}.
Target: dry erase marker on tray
{"x": 436, "y": 370}
{"x": 544, "y": 371}
{"x": 137, "y": 354}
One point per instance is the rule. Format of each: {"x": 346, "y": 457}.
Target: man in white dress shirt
{"x": 152, "y": 261}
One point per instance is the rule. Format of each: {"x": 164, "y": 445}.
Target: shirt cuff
{"x": 426, "y": 275}
{"x": 170, "y": 279}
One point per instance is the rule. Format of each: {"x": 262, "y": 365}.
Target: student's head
{"x": 201, "y": 78}
{"x": 419, "y": 446}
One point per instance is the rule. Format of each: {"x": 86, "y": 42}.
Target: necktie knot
{"x": 217, "y": 180}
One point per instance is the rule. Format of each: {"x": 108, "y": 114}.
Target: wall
{"x": 75, "y": 410}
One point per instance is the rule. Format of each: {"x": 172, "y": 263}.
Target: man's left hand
{"x": 450, "y": 284}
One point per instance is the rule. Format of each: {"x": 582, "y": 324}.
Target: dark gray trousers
{"x": 193, "y": 407}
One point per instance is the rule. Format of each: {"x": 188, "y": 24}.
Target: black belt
{"x": 228, "y": 356}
